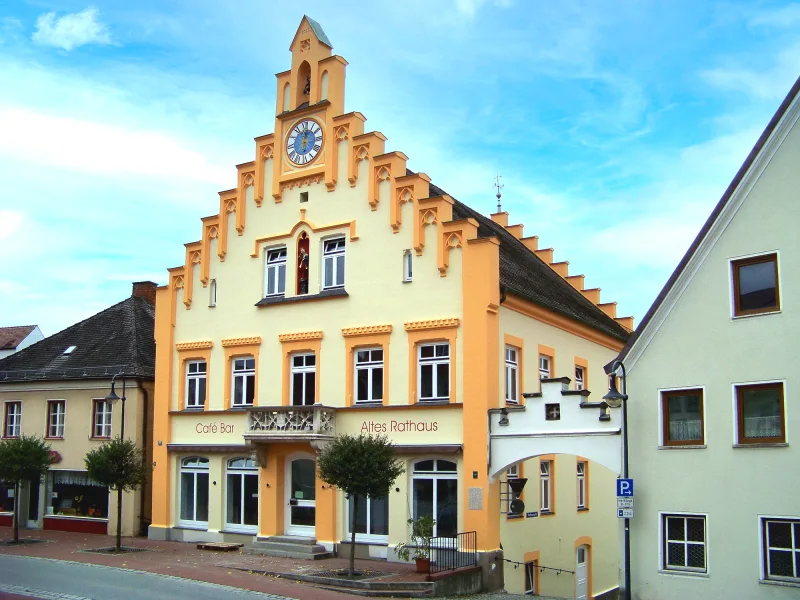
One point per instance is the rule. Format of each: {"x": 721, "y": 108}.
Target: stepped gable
{"x": 528, "y": 276}
{"x": 121, "y": 337}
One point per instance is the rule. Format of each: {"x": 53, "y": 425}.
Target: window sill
{"x": 791, "y": 584}
{"x": 515, "y": 517}
{"x": 54, "y": 437}
{"x": 377, "y": 541}
{"x": 432, "y": 402}
{"x": 373, "y": 404}
{"x": 758, "y": 314}
{"x": 762, "y": 445}
{"x": 583, "y": 509}
{"x": 193, "y": 409}
{"x": 682, "y": 573}
{"x": 239, "y": 408}
{"x": 686, "y": 447}
{"x": 100, "y": 438}
{"x": 275, "y": 300}
{"x": 73, "y": 517}
{"x": 191, "y": 527}
{"x": 240, "y": 531}
{"x": 546, "y": 513}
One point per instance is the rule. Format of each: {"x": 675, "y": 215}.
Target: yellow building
{"x": 338, "y": 292}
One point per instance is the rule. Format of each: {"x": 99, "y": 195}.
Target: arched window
{"x": 435, "y": 494}
{"x": 303, "y": 85}
{"x": 194, "y": 492}
{"x": 242, "y": 495}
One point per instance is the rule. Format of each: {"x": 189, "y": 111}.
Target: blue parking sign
{"x": 624, "y": 487}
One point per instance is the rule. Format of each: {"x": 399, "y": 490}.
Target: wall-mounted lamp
{"x": 503, "y": 417}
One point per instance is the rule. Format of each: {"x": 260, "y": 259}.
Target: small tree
{"x": 363, "y": 466}
{"x": 25, "y": 458}
{"x": 118, "y": 464}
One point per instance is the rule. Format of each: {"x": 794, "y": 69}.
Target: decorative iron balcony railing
{"x": 290, "y": 423}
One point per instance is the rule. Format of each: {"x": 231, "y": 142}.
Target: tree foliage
{"x": 25, "y": 458}
{"x": 118, "y": 464}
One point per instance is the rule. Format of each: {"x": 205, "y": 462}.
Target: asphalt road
{"x": 59, "y": 580}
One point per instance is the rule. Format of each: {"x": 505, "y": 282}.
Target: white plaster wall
{"x": 700, "y": 345}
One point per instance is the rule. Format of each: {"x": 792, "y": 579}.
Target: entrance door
{"x": 582, "y": 573}
{"x": 33, "y": 505}
{"x": 301, "y": 490}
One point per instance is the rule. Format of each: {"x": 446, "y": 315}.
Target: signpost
{"x": 625, "y": 513}
{"x": 625, "y": 487}
{"x": 625, "y": 498}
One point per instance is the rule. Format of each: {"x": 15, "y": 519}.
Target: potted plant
{"x": 419, "y": 545}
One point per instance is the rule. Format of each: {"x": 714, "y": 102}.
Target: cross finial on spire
{"x": 499, "y": 187}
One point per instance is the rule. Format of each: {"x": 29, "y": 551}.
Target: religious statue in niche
{"x": 307, "y": 88}
{"x": 302, "y": 263}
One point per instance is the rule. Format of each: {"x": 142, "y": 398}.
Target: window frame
{"x": 580, "y": 382}
{"x": 188, "y": 375}
{"x": 512, "y": 356}
{"x": 794, "y": 523}
{"x": 246, "y": 471}
{"x": 366, "y": 537}
{"x": 333, "y": 255}
{"x": 549, "y": 366}
{"x": 244, "y": 373}
{"x": 582, "y": 481}
{"x": 664, "y": 541}
{"x": 7, "y": 413}
{"x": 408, "y": 266}
{"x": 272, "y": 271}
{"x": 738, "y": 390}
{"x": 369, "y": 366}
{"x": 435, "y": 362}
{"x": 735, "y": 264}
{"x": 665, "y": 395}
{"x": 212, "y": 293}
{"x": 49, "y": 425}
{"x": 435, "y": 474}
{"x": 110, "y": 413}
{"x": 303, "y": 370}
{"x": 194, "y": 470}
{"x": 546, "y": 481}
{"x": 531, "y": 578}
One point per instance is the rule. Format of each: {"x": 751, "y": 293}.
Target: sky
{"x": 615, "y": 125}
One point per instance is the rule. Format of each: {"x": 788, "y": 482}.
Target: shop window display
{"x": 74, "y": 494}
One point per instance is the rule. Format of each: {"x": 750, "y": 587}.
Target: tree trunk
{"x": 16, "y": 512}
{"x": 119, "y": 519}
{"x": 353, "y": 535}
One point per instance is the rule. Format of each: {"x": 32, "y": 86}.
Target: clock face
{"x": 304, "y": 142}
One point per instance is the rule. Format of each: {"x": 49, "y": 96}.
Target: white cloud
{"x": 770, "y": 82}
{"x": 469, "y": 8}
{"x": 783, "y": 17}
{"x": 71, "y": 30}
{"x": 10, "y": 221}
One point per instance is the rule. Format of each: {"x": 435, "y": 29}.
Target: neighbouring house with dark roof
{"x": 335, "y": 291}
{"x": 14, "y": 339}
{"x": 56, "y": 389}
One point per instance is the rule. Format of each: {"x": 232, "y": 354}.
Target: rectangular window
{"x": 781, "y": 549}
{"x": 408, "y": 265}
{"x": 275, "y": 281}
{"x": 371, "y": 518}
{"x": 545, "y": 480}
{"x": 333, "y": 263}
{"x": 434, "y": 371}
{"x": 684, "y": 543}
{"x": 755, "y": 285}
{"x": 544, "y": 366}
{"x": 75, "y": 494}
{"x": 369, "y": 375}
{"x": 682, "y": 417}
{"x": 56, "y": 410}
{"x": 212, "y": 292}
{"x": 304, "y": 379}
{"x": 580, "y": 378}
{"x": 530, "y": 578}
{"x": 13, "y": 419}
{"x": 581, "y": 474}
{"x": 101, "y": 421}
{"x": 760, "y": 414}
{"x": 244, "y": 381}
{"x": 511, "y": 473}
{"x": 195, "y": 384}
{"x": 512, "y": 375}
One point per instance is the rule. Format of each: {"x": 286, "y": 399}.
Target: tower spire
{"x": 499, "y": 187}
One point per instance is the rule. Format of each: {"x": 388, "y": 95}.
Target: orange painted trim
{"x": 351, "y": 225}
{"x": 355, "y": 342}
{"x": 454, "y": 235}
{"x": 290, "y": 346}
{"x": 561, "y": 322}
{"x": 533, "y": 557}
{"x": 162, "y": 515}
{"x": 519, "y": 344}
{"x": 300, "y": 336}
{"x": 551, "y": 458}
{"x": 424, "y": 335}
{"x": 194, "y": 345}
{"x": 227, "y": 205}
{"x": 246, "y": 178}
{"x": 586, "y": 540}
{"x": 431, "y": 211}
{"x": 186, "y": 355}
{"x": 582, "y": 362}
{"x": 194, "y": 256}
{"x": 241, "y": 341}
{"x": 265, "y": 150}
{"x": 210, "y": 232}
{"x": 432, "y": 324}
{"x": 238, "y": 351}
{"x": 408, "y": 188}
{"x": 386, "y": 167}
{"x": 365, "y": 147}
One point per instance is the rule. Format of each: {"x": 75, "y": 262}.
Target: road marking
{"x": 41, "y": 594}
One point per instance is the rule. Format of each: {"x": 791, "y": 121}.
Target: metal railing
{"x": 291, "y": 420}
{"x": 450, "y": 553}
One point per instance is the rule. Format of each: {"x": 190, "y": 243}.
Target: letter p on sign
{"x": 624, "y": 487}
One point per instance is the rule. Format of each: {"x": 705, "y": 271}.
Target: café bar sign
{"x": 209, "y": 429}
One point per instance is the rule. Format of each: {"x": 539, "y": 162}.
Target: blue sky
{"x": 616, "y": 125}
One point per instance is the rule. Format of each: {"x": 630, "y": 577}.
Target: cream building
{"x": 712, "y": 380}
{"x": 338, "y": 292}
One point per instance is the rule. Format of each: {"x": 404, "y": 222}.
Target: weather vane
{"x": 499, "y": 187}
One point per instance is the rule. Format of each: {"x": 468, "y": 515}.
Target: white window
{"x": 781, "y": 541}
{"x": 530, "y": 578}
{"x": 212, "y": 293}
{"x": 101, "y": 423}
{"x": 13, "y": 419}
{"x": 434, "y": 371}
{"x": 545, "y": 473}
{"x": 369, "y": 375}
{"x": 581, "y": 484}
{"x": 241, "y": 512}
{"x": 579, "y": 378}
{"x": 512, "y": 374}
{"x": 371, "y": 519}
{"x": 408, "y": 270}
{"x": 56, "y": 409}
{"x": 244, "y": 381}
{"x": 194, "y": 492}
{"x": 684, "y": 543}
{"x": 276, "y": 272}
{"x": 304, "y": 379}
{"x": 435, "y": 494}
{"x": 333, "y": 263}
{"x": 196, "y": 384}
{"x": 544, "y": 367}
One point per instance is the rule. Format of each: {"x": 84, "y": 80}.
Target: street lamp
{"x": 112, "y": 399}
{"x": 614, "y": 399}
